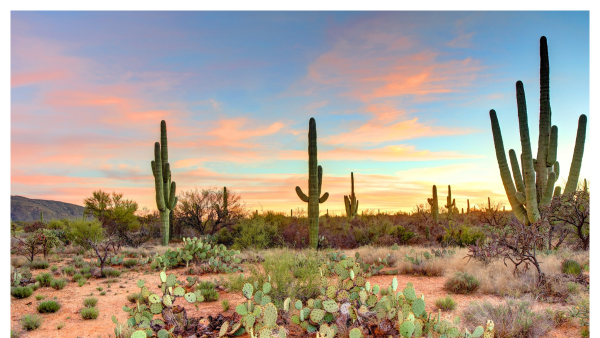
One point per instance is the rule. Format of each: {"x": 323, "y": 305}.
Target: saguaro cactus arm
{"x": 325, "y": 196}
{"x": 577, "y": 156}
{"x": 507, "y": 181}
{"x": 302, "y": 195}
{"x": 158, "y": 178}
{"x": 541, "y": 166}
{"x": 516, "y": 171}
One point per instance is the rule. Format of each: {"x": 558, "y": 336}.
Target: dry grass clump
{"x": 433, "y": 268}
{"x": 462, "y": 283}
{"x": 18, "y": 262}
{"x": 512, "y": 319}
{"x": 371, "y": 254}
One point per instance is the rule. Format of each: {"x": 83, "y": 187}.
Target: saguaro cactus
{"x": 536, "y": 185}
{"x": 350, "y": 201}
{"x": 468, "y": 207}
{"x": 165, "y": 189}
{"x": 42, "y": 216}
{"x": 434, "y": 205}
{"x": 450, "y": 203}
{"x": 315, "y": 178}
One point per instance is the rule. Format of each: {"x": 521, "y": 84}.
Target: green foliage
{"x": 90, "y": 302}
{"x": 217, "y": 257}
{"x": 445, "y": 303}
{"x": 463, "y": 236}
{"x": 45, "y": 279}
{"x": 21, "y": 292}
{"x": 207, "y": 289}
{"x": 136, "y": 296}
{"x": 31, "y": 321}
{"x": 77, "y": 277}
{"x": 402, "y": 234}
{"x": 49, "y": 306}
{"x": 571, "y": 267}
{"x": 83, "y": 230}
{"x": 58, "y": 284}
{"x": 255, "y": 233}
{"x": 36, "y": 264}
{"x": 462, "y": 283}
{"x": 110, "y": 272}
{"x": 54, "y": 268}
{"x": 225, "y": 305}
{"x": 81, "y": 282}
{"x": 39, "y": 297}
{"x": 89, "y": 313}
{"x": 129, "y": 263}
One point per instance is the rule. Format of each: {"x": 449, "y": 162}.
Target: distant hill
{"x": 28, "y": 210}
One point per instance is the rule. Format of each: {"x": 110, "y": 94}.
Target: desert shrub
{"x": 445, "y": 303}
{"x": 21, "y": 292}
{"x": 255, "y": 233}
{"x": 68, "y": 270}
{"x": 136, "y": 296}
{"x": 110, "y": 272}
{"x": 462, "y": 283}
{"x": 402, "y": 235}
{"x": 14, "y": 334}
{"x": 225, "y": 305}
{"x": 18, "y": 262}
{"x": 35, "y": 226}
{"x": 54, "y": 268}
{"x": 81, "y": 282}
{"x": 571, "y": 267}
{"x": 45, "y": 279}
{"x": 90, "y": 302}
{"x": 129, "y": 263}
{"x": 89, "y": 313}
{"x": 208, "y": 291}
{"x": 295, "y": 234}
{"x": 39, "y": 297}
{"x": 463, "y": 236}
{"x": 513, "y": 319}
{"x": 77, "y": 277}
{"x": 58, "y": 284}
{"x": 35, "y": 286}
{"x": 31, "y": 322}
{"x": 424, "y": 268}
{"x": 49, "y": 306}
{"x": 37, "y": 264}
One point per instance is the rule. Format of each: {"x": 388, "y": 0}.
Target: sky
{"x": 401, "y": 99}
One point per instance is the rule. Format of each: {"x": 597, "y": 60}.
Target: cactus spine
{"x": 350, "y": 201}
{"x": 315, "y": 178}
{"x": 536, "y": 185}
{"x": 165, "y": 189}
{"x": 434, "y": 204}
{"x": 450, "y": 203}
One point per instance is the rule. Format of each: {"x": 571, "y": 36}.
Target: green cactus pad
{"x": 418, "y": 307}
{"x": 394, "y": 284}
{"x": 406, "y": 310}
{"x": 286, "y": 304}
{"x": 154, "y": 298}
{"x": 265, "y": 300}
{"x": 418, "y": 328}
{"x": 241, "y": 309}
{"x": 156, "y": 308}
{"x": 371, "y": 300}
{"x": 248, "y": 290}
{"x": 407, "y": 329}
{"x": 179, "y": 291}
{"x": 270, "y": 315}
{"x": 368, "y": 286}
{"x": 249, "y": 320}
{"x": 171, "y": 279}
{"x": 409, "y": 293}
{"x": 145, "y": 292}
{"x": 167, "y": 301}
{"x": 258, "y": 296}
{"x": 224, "y": 328}
{"x": 265, "y": 333}
{"x": 296, "y": 319}
{"x": 359, "y": 281}
{"x": 140, "y": 283}
{"x": 452, "y": 332}
{"x": 316, "y": 315}
{"x": 163, "y": 277}
{"x": 310, "y": 303}
{"x": 355, "y": 333}
{"x": 348, "y": 284}
{"x": 343, "y": 295}
{"x": 266, "y": 287}
{"x": 331, "y": 291}
{"x": 478, "y": 332}
{"x": 199, "y": 296}
{"x": 298, "y": 305}
{"x": 190, "y": 297}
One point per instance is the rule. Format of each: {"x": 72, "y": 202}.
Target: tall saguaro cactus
{"x": 450, "y": 203}
{"x": 315, "y": 178}
{"x": 535, "y": 180}
{"x": 165, "y": 189}
{"x": 434, "y": 205}
{"x": 350, "y": 201}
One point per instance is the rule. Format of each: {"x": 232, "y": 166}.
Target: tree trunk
{"x": 164, "y": 221}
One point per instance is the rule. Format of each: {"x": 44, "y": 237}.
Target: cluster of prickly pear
{"x": 443, "y": 252}
{"x": 418, "y": 258}
{"x": 142, "y": 315}
{"x": 116, "y": 260}
{"x": 368, "y": 270}
{"x": 259, "y": 315}
{"x": 219, "y": 259}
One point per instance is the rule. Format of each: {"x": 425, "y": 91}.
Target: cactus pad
{"x": 270, "y": 315}
{"x": 153, "y": 298}
{"x": 248, "y": 321}
{"x": 316, "y": 315}
{"x": 241, "y": 309}
{"x": 140, "y": 283}
{"x": 248, "y": 290}
{"x": 343, "y": 295}
{"x": 478, "y": 332}
{"x": 371, "y": 300}
{"x": 331, "y": 291}
{"x": 355, "y": 333}
{"x": 266, "y": 287}
{"x": 179, "y": 291}
{"x": 296, "y": 319}
{"x": 418, "y": 307}
{"x": 171, "y": 279}
{"x": 407, "y": 329}
{"x": 298, "y": 305}
{"x": 163, "y": 277}
{"x": 286, "y": 304}
{"x": 359, "y": 281}
{"x": 330, "y": 306}
{"x": 167, "y": 301}
{"x": 190, "y": 297}
{"x": 156, "y": 308}
{"x": 409, "y": 293}
{"x": 139, "y": 334}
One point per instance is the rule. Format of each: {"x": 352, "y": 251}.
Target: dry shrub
{"x": 433, "y": 268}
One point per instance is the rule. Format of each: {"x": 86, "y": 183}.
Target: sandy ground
{"x": 72, "y": 296}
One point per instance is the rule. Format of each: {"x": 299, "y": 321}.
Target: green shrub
{"x": 35, "y": 286}
{"x": 511, "y": 320}
{"x": 45, "y": 279}
{"x": 60, "y": 325}
{"x": 21, "y": 292}
{"x": 77, "y": 277}
{"x": 31, "y": 322}
{"x": 39, "y": 264}
{"x": 58, "y": 284}
{"x": 129, "y": 263}
{"x": 89, "y": 313}
{"x": 87, "y": 275}
{"x": 255, "y": 233}
{"x": 68, "y": 270}
{"x": 39, "y": 297}
{"x": 110, "y": 272}
{"x": 49, "y": 306}
{"x": 571, "y": 267}
{"x": 207, "y": 289}
{"x": 85, "y": 270}
{"x": 54, "y": 268}
{"x": 463, "y": 236}
{"x": 81, "y": 282}
{"x": 462, "y": 283}
{"x": 445, "y": 303}
{"x": 14, "y": 334}
{"x": 90, "y": 302}
{"x": 225, "y": 305}
{"x": 402, "y": 234}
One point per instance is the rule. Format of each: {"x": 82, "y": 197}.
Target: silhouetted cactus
{"x": 535, "y": 181}
{"x": 315, "y": 178}
{"x": 450, "y": 203}
{"x": 350, "y": 201}
{"x": 434, "y": 205}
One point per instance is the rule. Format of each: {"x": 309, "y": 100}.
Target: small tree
{"x": 48, "y": 240}
{"x": 29, "y": 246}
{"x": 116, "y": 214}
{"x": 573, "y": 210}
{"x": 91, "y": 235}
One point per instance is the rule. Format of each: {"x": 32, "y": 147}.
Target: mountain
{"x": 26, "y": 209}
